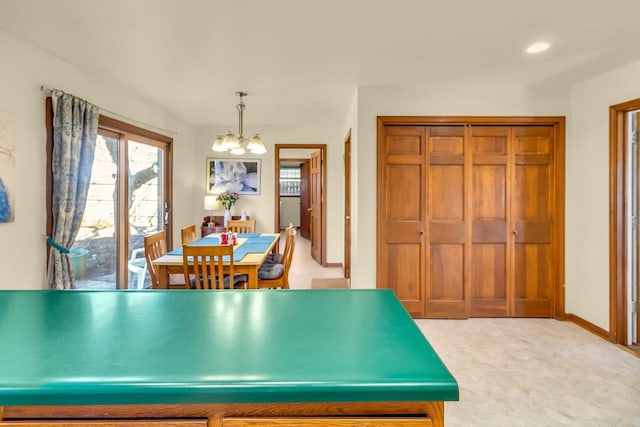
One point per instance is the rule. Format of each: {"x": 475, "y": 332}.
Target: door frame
{"x": 276, "y": 196}
{"x": 346, "y": 265}
{"x": 618, "y": 222}
{"x": 558, "y": 123}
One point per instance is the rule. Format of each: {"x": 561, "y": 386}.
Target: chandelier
{"x": 236, "y": 143}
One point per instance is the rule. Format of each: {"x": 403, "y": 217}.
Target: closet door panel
{"x": 532, "y": 221}
{"x": 403, "y": 272}
{"x": 446, "y": 274}
{"x": 532, "y": 278}
{"x": 400, "y": 264}
{"x": 488, "y": 200}
{"x": 488, "y": 278}
{"x": 447, "y": 289}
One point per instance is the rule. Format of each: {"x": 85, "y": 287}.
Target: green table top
{"x": 187, "y": 346}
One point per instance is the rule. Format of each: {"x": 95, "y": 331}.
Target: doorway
{"x": 624, "y": 229}
{"x": 312, "y": 192}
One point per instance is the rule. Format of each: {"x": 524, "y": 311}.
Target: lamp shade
{"x": 217, "y": 144}
{"x": 255, "y": 145}
{"x": 230, "y": 141}
{"x": 210, "y": 203}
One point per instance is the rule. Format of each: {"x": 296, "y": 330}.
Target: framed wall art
{"x": 240, "y": 176}
{"x": 7, "y": 167}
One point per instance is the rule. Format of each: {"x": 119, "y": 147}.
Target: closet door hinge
{"x": 634, "y": 222}
{"x": 634, "y": 307}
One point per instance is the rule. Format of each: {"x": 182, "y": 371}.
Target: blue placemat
{"x": 204, "y": 241}
{"x": 254, "y": 245}
{"x": 251, "y": 245}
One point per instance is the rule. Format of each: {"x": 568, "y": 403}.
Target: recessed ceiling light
{"x": 538, "y": 47}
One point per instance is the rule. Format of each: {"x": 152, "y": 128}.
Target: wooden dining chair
{"x": 241, "y": 226}
{"x": 188, "y": 234}
{"x": 155, "y": 247}
{"x": 276, "y": 275}
{"x": 276, "y": 258}
{"x": 206, "y": 265}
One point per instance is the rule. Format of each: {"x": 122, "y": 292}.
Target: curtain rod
{"x": 112, "y": 113}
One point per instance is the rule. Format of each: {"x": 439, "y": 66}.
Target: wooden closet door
{"x": 488, "y": 199}
{"x": 532, "y": 213}
{"x": 470, "y": 217}
{"x": 447, "y": 257}
{"x": 400, "y": 252}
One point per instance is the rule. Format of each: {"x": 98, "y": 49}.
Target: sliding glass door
{"x": 128, "y": 198}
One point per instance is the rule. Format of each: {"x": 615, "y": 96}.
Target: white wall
{"x": 418, "y": 101}
{"x": 261, "y": 207}
{"x": 25, "y": 68}
{"x": 289, "y": 212}
{"x": 587, "y": 190}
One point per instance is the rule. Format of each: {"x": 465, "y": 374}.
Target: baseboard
{"x": 334, "y": 264}
{"x": 585, "y": 324}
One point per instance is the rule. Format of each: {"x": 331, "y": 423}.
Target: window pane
{"x": 94, "y": 253}
{"x": 145, "y": 206}
{"x": 290, "y": 181}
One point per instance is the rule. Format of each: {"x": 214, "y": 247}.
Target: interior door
{"x": 401, "y": 204}
{"x": 531, "y": 213}
{"x": 448, "y": 256}
{"x": 315, "y": 208}
{"x": 466, "y": 217}
{"x": 305, "y": 201}
{"x": 489, "y": 204}
{"x": 347, "y": 207}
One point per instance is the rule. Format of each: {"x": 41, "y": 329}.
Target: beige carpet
{"x": 329, "y": 283}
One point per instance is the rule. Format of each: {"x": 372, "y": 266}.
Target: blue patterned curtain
{"x": 75, "y": 127}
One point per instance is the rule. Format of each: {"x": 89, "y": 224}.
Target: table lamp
{"x": 210, "y": 204}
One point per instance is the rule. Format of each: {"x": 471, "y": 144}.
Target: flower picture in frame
{"x": 7, "y": 167}
{"x": 240, "y": 176}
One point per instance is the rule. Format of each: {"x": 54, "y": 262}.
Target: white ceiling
{"x": 300, "y": 60}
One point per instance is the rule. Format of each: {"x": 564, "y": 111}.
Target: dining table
{"x": 249, "y": 253}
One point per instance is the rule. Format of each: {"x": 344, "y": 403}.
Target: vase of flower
{"x": 227, "y": 200}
